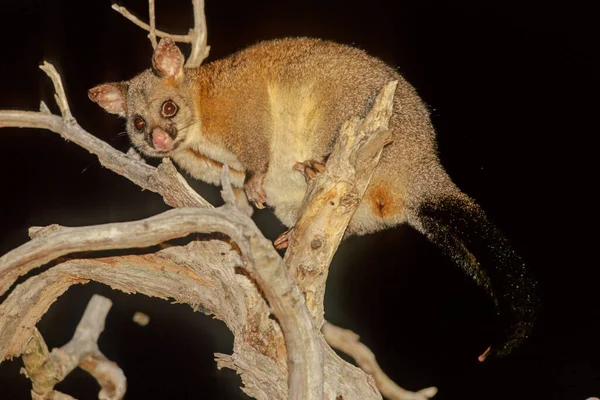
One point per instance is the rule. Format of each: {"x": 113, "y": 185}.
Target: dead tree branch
{"x": 348, "y": 342}
{"x": 46, "y": 369}
{"x": 152, "y": 17}
{"x": 125, "y": 12}
{"x": 259, "y": 257}
{"x": 164, "y": 180}
{"x": 201, "y": 274}
{"x": 197, "y": 36}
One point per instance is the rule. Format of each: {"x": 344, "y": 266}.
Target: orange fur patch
{"x": 170, "y": 82}
{"x": 215, "y": 112}
{"x": 382, "y": 203}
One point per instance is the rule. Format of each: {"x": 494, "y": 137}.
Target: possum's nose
{"x": 161, "y": 140}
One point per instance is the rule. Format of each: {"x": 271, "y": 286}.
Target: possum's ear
{"x": 167, "y": 61}
{"x": 110, "y": 96}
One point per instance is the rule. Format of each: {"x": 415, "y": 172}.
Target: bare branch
{"x": 59, "y": 96}
{"x": 261, "y": 260}
{"x": 153, "y": 275}
{"x": 333, "y": 196}
{"x": 152, "y": 32}
{"x": 202, "y": 275}
{"x": 44, "y": 108}
{"x": 108, "y": 375}
{"x": 197, "y": 36}
{"x": 39, "y": 367}
{"x": 347, "y": 341}
{"x": 124, "y": 12}
{"x": 164, "y": 180}
{"x": 47, "y": 369}
{"x": 200, "y": 48}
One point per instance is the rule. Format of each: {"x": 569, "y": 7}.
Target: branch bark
{"x": 260, "y": 258}
{"x": 202, "y": 274}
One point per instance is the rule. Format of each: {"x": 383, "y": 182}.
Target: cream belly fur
{"x": 294, "y": 122}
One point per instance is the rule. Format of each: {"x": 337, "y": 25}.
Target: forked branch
{"x": 305, "y": 363}
{"x": 46, "y": 369}
{"x": 348, "y": 342}
{"x": 164, "y": 180}
{"x": 197, "y": 36}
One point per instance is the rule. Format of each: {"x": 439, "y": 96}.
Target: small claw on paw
{"x": 309, "y": 169}
{"x": 260, "y": 206}
{"x": 282, "y": 240}
{"x": 255, "y": 192}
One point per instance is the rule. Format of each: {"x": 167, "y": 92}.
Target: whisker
{"x": 85, "y": 169}
{"x": 119, "y": 135}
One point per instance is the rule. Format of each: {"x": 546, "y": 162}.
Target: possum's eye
{"x": 139, "y": 124}
{"x": 169, "y": 109}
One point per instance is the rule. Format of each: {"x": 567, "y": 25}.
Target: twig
{"x": 152, "y": 32}
{"x": 197, "y": 36}
{"x": 164, "y": 180}
{"x": 124, "y": 12}
{"x": 108, "y": 375}
{"x": 348, "y": 342}
{"x": 60, "y": 97}
{"x": 200, "y": 48}
{"x": 47, "y": 369}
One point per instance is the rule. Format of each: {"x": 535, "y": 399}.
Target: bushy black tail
{"x": 462, "y": 230}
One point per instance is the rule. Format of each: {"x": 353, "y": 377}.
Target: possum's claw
{"x": 254, "y": 190}
{"x": 283, "y": 240}
{"x": 309, "y": 169}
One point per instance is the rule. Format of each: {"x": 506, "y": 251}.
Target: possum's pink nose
{"x": 161, "y": 140}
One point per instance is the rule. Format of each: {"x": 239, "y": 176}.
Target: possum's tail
{"x": 459, "y": 226}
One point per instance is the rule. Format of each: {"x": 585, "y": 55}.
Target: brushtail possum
{"x": 271, "y": 106}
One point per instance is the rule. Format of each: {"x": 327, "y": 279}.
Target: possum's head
{"x": 158, "y": 103}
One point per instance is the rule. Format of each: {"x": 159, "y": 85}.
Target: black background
{"x": 512, "y": 90}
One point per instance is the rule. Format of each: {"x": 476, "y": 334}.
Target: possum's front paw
{"x": 283, "y": 240}
{"x": 253, "y": 185}
{"x": 310, "y": 169}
